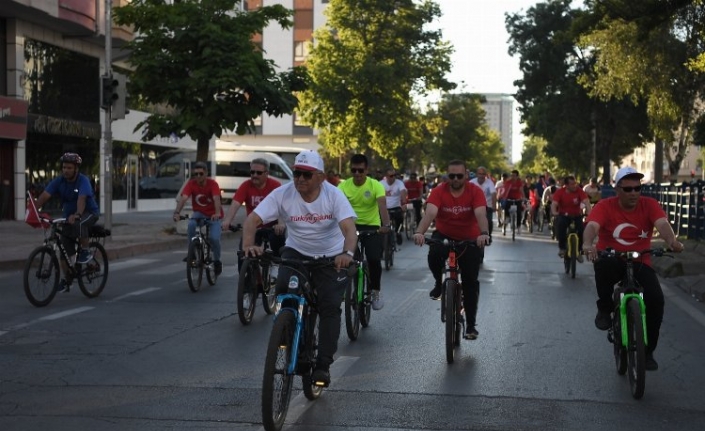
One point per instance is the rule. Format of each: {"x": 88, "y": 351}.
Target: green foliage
{"x": 368, "y": 61}
{"x": 198, "y": 58}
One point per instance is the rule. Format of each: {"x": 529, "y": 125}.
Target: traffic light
{"x": 120, "y": 105}
{"x": 108, "y": 94}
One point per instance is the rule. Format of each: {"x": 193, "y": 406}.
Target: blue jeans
{"x": 215, "y": 229}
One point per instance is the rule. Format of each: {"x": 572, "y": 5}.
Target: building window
{"x": 301, "y": 50}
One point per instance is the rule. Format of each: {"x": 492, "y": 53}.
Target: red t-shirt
{"x": 626, "y": 230}
{"x": 414, "y": 189}
{"x": 569, "y": 202}
{"x": 202, "y": 197}
{"x": 250, "y": 196}
{"x": 513, "y": 188}
{"x": 456, "y": 216}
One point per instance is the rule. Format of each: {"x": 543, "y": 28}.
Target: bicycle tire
{"x": 513, "y": 220}
{"x": 247, "y": 291}
{"x": 211, "y": 276}
{"x": 366, "y": 306}
{"x": 311, "y": 390}
{"x": 451, "y": 316}
{"x": 352, "y": 309}
{"x": 388, "y": 251}
{"x": 194, "y": 265}
{"x": 41, "y": 267}
{"x": 93, "y": 275}
{"x": 573, "y": 261}
{"x": 409, "y": 224}
{"x": 269, "y": 290}
{"x": 277, "y": 383}
{"x": 636, "y": 350}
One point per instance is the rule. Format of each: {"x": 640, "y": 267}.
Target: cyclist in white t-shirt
{"x": 320, "y": 222}
{"x": 395, "y": 192}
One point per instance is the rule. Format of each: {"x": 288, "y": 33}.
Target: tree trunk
{"x": 202, "y": 149}
{"x": 658, "y": 162}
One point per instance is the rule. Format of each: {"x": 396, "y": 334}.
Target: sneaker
{"x": 84, "y": 256}
{"x": 218, "y": 267}
{"x": 561, "y": 253}
{"x": 377, "y": 301}
{"x": 321, "y": 377}
{"x": 580, "y": 258}
{"x": 471, "y": 333}
{"x": 64, "y": 286}
{"x": 435, "y": 293}
{"x": 603, "y": 320}
{"x": 398, "y": 238}
{"x": 651, "y": 364}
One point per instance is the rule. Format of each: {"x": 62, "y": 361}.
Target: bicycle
{"x": 513, "y": 214}
{"x": 390, "y": 243}
{"x": 358, "y": 300}
{"x": 200, "y": 256}
{"x": 541, "y": 218}
{"x": 572, "y": 246}
{"x": 628, "y": 330}
{"x": 256, "y": 276}
{"x": 42, "y": 271}
{"x": 451, "y": 295}
{"x": 410, "y": 220}
{"x": 293, "y": 342}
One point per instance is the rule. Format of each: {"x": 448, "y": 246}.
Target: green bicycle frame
{"x": 623, "y": 316}
{"x": 360, "y": 280}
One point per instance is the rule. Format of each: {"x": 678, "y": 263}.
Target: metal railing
{"x": 684, "y": 205}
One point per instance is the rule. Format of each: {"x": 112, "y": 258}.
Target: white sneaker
{"x": 377, "y": 301}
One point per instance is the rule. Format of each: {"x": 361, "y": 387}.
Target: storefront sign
{"x": 13, "y": 118}
{"x": 60, "y": 126}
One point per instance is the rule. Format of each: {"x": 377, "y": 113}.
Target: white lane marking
{"x": 135, "y": 293}
{"x": 300, "y": 404}
{"x": 64, "y": 313}
{"x": 688, "y": 308}
{"x": 3, "y": 333}
{"x": 130, "y": 263}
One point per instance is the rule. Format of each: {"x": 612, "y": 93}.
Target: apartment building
{"x": 499, "y": 109}
{"x": 642, "y": 159}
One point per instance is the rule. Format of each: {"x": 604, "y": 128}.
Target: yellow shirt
{"x": 364, "y": 200}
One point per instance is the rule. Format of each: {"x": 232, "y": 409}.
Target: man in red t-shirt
{"x": 250, "y": 194}
{"x": 205, "y": 198}
{"x": 458, "y": 208}
{"x": 566, "y": 206}
{"x": 513, "y": 191}
{"x": 414, "y": 192}
{"x": 625, "y": 223}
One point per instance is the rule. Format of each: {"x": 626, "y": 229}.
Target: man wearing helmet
{"x": 205, "y": 198}
{"x": 80, "y": 209}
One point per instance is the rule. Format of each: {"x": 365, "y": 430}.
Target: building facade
{"x": 642, "y": 159}
{"x": 499, "y": 110}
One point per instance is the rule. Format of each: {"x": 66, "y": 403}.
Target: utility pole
{"x": 107, "y": 124}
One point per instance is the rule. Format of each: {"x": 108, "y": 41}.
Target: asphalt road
{"x": 150, "y": 355}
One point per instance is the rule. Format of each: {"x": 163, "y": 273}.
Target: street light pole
{"x": 107, "y": 183}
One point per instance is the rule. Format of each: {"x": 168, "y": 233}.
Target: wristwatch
{"x": 350, "y": 253}
{"x": 484, "y": 232}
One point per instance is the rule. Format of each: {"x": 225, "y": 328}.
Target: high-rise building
{"x": 499, "y": 109}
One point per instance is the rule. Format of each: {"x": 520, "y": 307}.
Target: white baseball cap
{"x": 627, "y": 171}
{"x": 308, "y": 160}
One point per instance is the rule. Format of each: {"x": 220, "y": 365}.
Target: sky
{"x": 481, "y": 63}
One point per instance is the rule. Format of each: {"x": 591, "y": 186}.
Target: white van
{"x": 232, "y": 168}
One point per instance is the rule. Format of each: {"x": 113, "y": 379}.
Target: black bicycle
{"x": 42, "y": 271}
{"x": 572, "y": 250}
{"x": 200, "y": 256}
{"x": 293, "y": 342}
{"x": 256, "y": 276}
{"x": 390, "y": 243}
{"x": 358, "y": 300}
{"x": 628, "y": 330}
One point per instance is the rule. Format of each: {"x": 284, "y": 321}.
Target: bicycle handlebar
{"x": 658, "y": 252}
{"x": 450, "y": 242}
{"x": 310, "y": 264}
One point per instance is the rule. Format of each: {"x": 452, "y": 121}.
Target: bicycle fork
{"x": 298, "y": 313}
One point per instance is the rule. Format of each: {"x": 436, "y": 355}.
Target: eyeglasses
{"x": 256, "y": 172}
{"x": 357, "y": 171}
{"x": 631, "y": 189}
{"x": 306, "y": 174}
{"x": 199, "y": 174}
{"x": 481, "y": 173}
{"x": 454, "y": 176}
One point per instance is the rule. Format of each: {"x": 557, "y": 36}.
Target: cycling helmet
{"x": 71, "y": 158}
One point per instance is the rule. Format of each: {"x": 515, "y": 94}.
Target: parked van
{"x": 232, "y": 168}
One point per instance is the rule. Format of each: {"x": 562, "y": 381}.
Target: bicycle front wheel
{"x": 41, "y": 276}
{"x": 365, "y": 307}
{"x": 451, "y": 319}
{"x": 514, "y": 225}
{"x": 277, "y": 383}
{"x": 247, "y": 291}
{"x": 409, "y": 224}
{"x": 388, "y": 251}
{"x": 636, "y": 350}
{"x": 352, "y": 308}
{"x": 93, "y": 275}
{"x": 194, "y": 265}
{"x": 311, "y": 390}
{"x": 269, "y": 290}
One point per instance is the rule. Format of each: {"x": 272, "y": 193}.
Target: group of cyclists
{"x": 312, "y": 217}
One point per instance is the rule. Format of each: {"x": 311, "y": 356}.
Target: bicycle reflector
{"x": 635, "y": 254}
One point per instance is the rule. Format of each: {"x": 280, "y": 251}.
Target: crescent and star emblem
{"x": 198, "y": 200}
{"x": 618, "y": 231}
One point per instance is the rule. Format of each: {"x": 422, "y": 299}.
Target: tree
{"x": 368, "y": 61}
{"x": 535, "y": 160}
{"x": 198, "y": 58}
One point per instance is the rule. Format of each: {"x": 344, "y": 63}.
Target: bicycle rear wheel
{"x": 211, "y": 276}
{"x": 247, "y": 291}
{"x": 389, "y": 251}
{"x": 311, "y": 390}
{"x": 93, "y": 275}
{"x": 636, "y": 350}
{"x": 269, "y": 290}
{"x": 366, "y": 305}
{"x": 451, "y": 319}
{"x": 41, "y": 276}
{"x": 277, "y": 383}
{"x": 352, "y": 308}
{"x": 194, "y": 265}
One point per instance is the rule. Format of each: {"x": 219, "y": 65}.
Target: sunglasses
{"x": 256, "y": 172}
{"x": 357, "y": 171}
{"x": 198, "y": 174}
{"x": 631, "y": 189}
{"x": 306, "y": 174}
{"x": 456, "y": 176}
